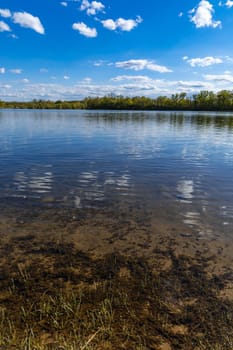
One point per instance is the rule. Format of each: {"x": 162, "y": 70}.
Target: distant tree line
{"x": 204, "y": 100}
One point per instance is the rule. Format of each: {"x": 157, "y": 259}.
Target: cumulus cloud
{"x": 27, "y": 20}
{"x": 203, "y": 62}
{"x": 4, "y": 27}
{"x": 83, "y": 29}
{"x": 5, "y": 13}
{"x": 66, "y": 77}
{"x": 121, "y": 23}
{"x": 92, "y": 7}
{"x": 2, "y": 70}
{"x": 63, "y": 3}
{"x": 142, "y": 64}
{"x": 203, "y": 15}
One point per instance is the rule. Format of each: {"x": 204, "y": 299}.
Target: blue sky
{"x": 71, "y": 49}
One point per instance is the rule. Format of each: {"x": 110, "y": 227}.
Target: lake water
{"x": 178, "y": 166}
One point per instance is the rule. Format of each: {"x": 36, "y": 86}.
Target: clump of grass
{"x": 56, "y": 297}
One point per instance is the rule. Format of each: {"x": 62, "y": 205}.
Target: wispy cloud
{"x": 121, "y": 23}
{"x": 2, "y": 70}
{"x": 64, "y": 3}
{"x": 25, "y": 81}
{"x": 26, "y": 20}
{"x": 98, "y": 63}
{"x": 219, "y": 77}
{"x": 43, "y": 70}
{"x": 4, "y": 27}
{"x": 13, "y": 36}
{"x": 203, "y": 62}
{"x": 83, "y": 29}
{"x": 16, "y": 71}
{"x": 141, "y": 64}
{"x": 202, "y": 15}
{"x": 134, "y": 78}
{"x": 120, "y": 85}
{"x": 228, "y": 3}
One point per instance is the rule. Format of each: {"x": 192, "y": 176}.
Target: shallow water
{"x": 176, "y": 166}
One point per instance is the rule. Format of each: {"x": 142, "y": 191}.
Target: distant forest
{"x": 202, "y": 101}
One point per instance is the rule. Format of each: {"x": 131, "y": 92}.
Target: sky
{"x": 68, "y": 50}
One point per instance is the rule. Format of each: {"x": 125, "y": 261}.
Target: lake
{"x": 116, "y": 230}
{"x": 177, "y": 165}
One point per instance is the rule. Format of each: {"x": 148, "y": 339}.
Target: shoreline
{"x": 204, "y": 100}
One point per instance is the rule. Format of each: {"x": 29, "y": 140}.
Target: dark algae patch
{"x": 55, "y": 296}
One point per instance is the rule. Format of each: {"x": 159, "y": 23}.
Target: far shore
{"x": 202, "y": 101}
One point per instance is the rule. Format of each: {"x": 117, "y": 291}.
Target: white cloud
{"x": 66, "y": 77}
{"x": 92, "y": 7}
{"x": 63, "y": 3}
{"x": 203, "y": 62}
{"x": 2, "y": 70}
{"x": 142, "y": 64}
{"x": 98, "y": 63}
{"x": 27, "y": 20}
{"x": 5, "y": 13}
{"x": 121, "y": 23}
{"x": 14, "y": 36}
{"x": 229, "y": 3}
{"x": 109, "y": 24}
{"x": 219, "y": 77}
{"x": 4, "y": 27}
{"x": 87, "y": 80}
{"x": 191, "y": 86}
{"x": 203, "y": 15}
{"x": 138, "y": 87}
{"x": 15, "y": 71}
{"x": 135, "y": 78}
{"x": 25, "y": 81}
{"x": 85, "y": 4}
{"x": 83, "y": 29}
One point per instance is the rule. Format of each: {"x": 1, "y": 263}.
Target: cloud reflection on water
{"x": 38, "y": 180}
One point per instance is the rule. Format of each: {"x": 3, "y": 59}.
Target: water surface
{"x": 177, "y": 166}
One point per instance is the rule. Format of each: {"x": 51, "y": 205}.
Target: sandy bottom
{"x": 108, "y": 251}
{"x": 132, "y": 232}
